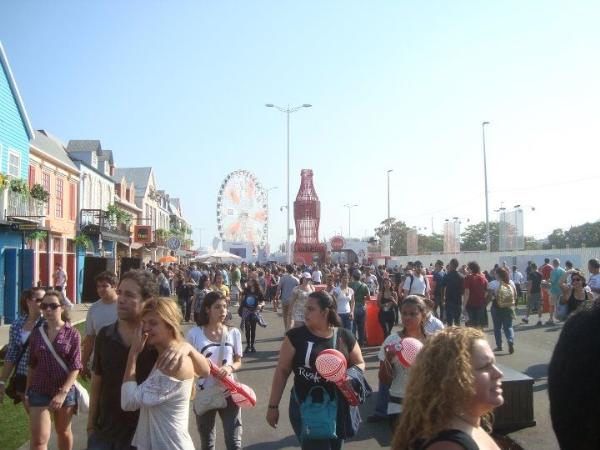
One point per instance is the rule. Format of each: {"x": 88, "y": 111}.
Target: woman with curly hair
{"x": 455, "y": 415}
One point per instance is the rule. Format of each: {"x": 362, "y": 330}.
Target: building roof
{"x": 15, "y": 92}
{"x": 139, "y": 175}
{"x": 84, "y": 146}
{"x": 107, "y": 155}
{"x": 53, "y": 147}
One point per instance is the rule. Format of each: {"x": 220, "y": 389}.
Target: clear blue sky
{"x": 395, "y": 85}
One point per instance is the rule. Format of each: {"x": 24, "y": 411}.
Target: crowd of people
{"x": 144, "y": 371}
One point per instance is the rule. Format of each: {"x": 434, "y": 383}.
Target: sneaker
{"x": 550, "y": 322}
{"x": 511, "y": 348}
{"x": 374, "y": 418}
{"x": 252, "y": 349}
{"x": 525, "y": 320}
{"x": 498, "y": 349}
{"x": 539, "y": 323}
{"x": 248, "y": 349}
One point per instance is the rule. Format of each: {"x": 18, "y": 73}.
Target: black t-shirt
{"x": 454, "y": 283}
{"x": 536, "y": 282}
{"x": 308, "y": 346}
{"x": 110, "y": 360}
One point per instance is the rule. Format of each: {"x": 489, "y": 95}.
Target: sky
{"x": 395, "y": 85}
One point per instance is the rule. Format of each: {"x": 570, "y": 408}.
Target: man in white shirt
{"x": 517, "y": 278}
{"x": 371, "y": 281}
{"x": 416, "y": 283}
{"x": 316, "y": 275}
{"x": 103, "y": 312}
{"x": 594, "y": 281}
{"x": 59, "y": 278}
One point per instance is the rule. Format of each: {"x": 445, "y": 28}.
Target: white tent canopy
{"x": 217, "y": 256}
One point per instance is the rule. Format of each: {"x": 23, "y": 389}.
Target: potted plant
{"x": 39, "y": 193}
{"x": 38, "y": 235}
{"x": 82, "y": 241}
{"x": 19, "y": 186}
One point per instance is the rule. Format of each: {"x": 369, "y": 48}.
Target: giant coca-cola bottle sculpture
{"x": 307, "y": 215}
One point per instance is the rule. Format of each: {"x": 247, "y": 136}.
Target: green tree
{"x": 397, "y": 230}
{"x": 474, "y": 237}
{"x": 556, "y": 239}
{"x": 431, "y": 243}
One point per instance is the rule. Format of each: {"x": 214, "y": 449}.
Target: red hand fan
{"x": 407, "y": 350}
{"x": 331, "y": 365}
{"x": 241, "y": 394}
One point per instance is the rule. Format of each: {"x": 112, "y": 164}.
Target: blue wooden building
{"x": 17, "y": 212}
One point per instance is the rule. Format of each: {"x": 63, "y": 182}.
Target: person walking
{"x": 504, "y": 298}
{"x": 50, "y": 392}
{"x": 361, "y": 295}
{"x": 287, "y": 284}
{"x": 344, "y": 299}
{"x": 298, "y": 354}
{"x": 388, "y": 300}
{"x": 534, "y": 294}
{"x": 555, "y": 289}
{"x": 465, "y": 393}
{"x": 299, "y": 296}
{"x": 163, "y": 399}
{"x": 19, "y": 340}
{"x": 223, "y": 347}
{"x": 452, "y": 293}
{"x": 392, "y": 373}
{"x": 475, "y": 296}
{"x": 103, "y": 312}
{"x": 200, "y": 292}
{"x": 251, "y": 305}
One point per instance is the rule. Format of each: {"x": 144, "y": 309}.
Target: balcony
{"x": 16, "y": 207}
{"x": 98, "y": 221}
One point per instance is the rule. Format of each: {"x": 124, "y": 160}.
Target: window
{"x": 14, "y": 164}
{"x": 46, "y": 186}
{"x": 73, "y": 201}
{"x": 31, "y": 176}
{"x": 59, "y": 198}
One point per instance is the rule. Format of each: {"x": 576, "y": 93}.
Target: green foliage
{"x": 19, "y": 185}
{"x": 117, "y": 214}
{"x": 397, "y": 230}
{"x": 431, "y": 243}
{"x": 474, "y": 237}
{"x": 82, "y": 241}
{"x": 585, "y": 235}
{"x": 161, "y": 233}
{"x": 39, "y": 193}
{"x": 37, "y": 235}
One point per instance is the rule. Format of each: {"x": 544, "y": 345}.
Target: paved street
{"x": 533, "y": 350}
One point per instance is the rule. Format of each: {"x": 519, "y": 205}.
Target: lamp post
{"x": 288, "y": 110}
{"x": 487, "y": 211}
{"x": 388, "y": 186}
{"x": 267, "y": 193}
{"x": 349, "y": 208}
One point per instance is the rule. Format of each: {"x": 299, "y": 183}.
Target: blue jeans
{"x": 453, "y": 313}
{"x": 358, "y": 327}
{"x": 383, "y": 397}
{"x": 346, "y": 319}
{"x": 502, "y": 318}
{"x": 96, "y": 442}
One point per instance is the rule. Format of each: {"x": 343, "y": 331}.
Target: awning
{"x": 136, "y": 245}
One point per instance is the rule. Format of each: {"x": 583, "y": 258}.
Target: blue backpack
{"x": 318, "y": 418}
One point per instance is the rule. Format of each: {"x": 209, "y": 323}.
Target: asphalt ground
{"x": 533, "y": 346}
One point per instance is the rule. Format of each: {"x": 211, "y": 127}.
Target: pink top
{"x": 48, "y": 376}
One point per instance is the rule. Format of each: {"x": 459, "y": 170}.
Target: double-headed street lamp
{"x": 349, "y": 208}
{"x": 288, "y": 110}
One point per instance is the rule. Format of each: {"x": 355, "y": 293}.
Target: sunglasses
{"x": 52, "y": 306}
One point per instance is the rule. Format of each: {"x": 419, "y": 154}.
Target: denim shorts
{"x": 41, "y": 400}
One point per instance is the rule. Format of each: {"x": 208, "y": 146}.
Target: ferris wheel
{"x": 242, "y": 210}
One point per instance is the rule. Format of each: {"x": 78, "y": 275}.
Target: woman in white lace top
{"x": 164, "y": 398}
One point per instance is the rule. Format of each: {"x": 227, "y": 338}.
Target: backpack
{"x": 412, "y": 279}
{"x": 504, "y": 296}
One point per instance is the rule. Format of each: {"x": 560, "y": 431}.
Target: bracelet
{"x": 273, "y": 406}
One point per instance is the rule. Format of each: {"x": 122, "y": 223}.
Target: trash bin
{"x": 372, "y": 325}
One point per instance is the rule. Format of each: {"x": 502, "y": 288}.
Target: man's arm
{"x": 94, "y": 398}
{"x": 86, "y": 353}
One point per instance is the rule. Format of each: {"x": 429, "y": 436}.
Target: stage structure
{"x": 243, "y": 215}
{"x": 511, "y": 230}
{"x": 307, "y": 216}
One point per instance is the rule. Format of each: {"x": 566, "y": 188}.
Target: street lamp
{"x": 388, "y": 186}
{"x": 267, "y": 194}
{"x": 288, "y": 110}
{"x": 349, "y": 208}
{"x": 487, "y": 212}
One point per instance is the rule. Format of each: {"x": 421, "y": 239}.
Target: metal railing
{"x": 17, "y": 206}
{"x": 101, "y": 219}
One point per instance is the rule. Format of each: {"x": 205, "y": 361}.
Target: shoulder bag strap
{"x": 222, "y": 346}
{"x": 26, "y": 344}
{"x": 58, "y": 359}
{"x": 335, "y": 341}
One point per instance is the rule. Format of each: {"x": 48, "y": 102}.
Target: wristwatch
{"x": 273, "y": 406}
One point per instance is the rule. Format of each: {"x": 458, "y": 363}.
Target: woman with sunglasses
{"x": 50, "y": 390}
{"x": 17, "y": 355}
{"x": 575, "y": 294}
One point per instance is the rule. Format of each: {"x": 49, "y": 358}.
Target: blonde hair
{"x": 168, "y": 311}
{"x": 438, "y": 384}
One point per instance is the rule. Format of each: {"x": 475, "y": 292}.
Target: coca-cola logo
{"x": 337, "y": 243}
